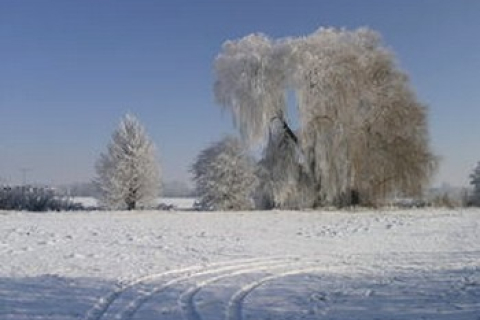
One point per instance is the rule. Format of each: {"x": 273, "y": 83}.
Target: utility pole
{"x": 24, "y": 172}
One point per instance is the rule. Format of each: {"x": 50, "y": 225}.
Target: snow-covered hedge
{"x": 31, "y": 198}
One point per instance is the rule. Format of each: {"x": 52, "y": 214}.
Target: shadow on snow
{"x": 449, "y": 294}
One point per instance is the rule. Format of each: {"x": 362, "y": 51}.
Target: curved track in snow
{"x": 128, "y": 298}
{"x": 234, "y": 309}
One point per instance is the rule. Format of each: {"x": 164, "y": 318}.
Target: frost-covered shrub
{"x": 128, "y": 174}
{"x": 445, "y": 200}
{"x": 224, "y": 177}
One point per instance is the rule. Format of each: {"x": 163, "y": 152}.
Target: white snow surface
{"x": 177, "y": 203}
{"x": 85, "y": 201}
{"x": 393, "y": 264}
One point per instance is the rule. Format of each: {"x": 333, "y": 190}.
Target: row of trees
{"x": 362, "y": 133}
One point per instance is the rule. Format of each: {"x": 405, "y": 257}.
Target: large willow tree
{"x": 363, "y": 134}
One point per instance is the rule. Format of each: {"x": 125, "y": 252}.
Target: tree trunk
{"x": 131, "y": 205}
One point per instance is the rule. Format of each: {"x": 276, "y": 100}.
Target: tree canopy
{"x": 128, "y": 174}
{"x": 363, "y": 134}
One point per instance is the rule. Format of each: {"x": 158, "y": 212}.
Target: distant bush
{"x": 166, "y": 207}
{"x": 407, "y": 203}
{"x": 474, "y": 199}
{"x": 451, "y": 200}
{"x": 31, "y": 198}
{"x": 445, "y": 201}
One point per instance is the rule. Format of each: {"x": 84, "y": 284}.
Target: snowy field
{"x": 177, "y": 203}
{"x": 417, "y": 264}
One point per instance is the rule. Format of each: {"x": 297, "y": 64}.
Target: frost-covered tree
{"x": 128, "y": 174}
{"x": 251, "y": 82}
{"x": 363, "y": 134}
{"x": 475, "y": 182}
{"x": 363, "y": 130}
{"x": 224, "y": 176}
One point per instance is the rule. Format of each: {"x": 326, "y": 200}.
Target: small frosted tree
{"x": 475, "y": 182}
{"x": 128, "y": 174}
{"x": 224, "y": 176}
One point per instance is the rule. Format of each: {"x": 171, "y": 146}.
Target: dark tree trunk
{"x": 131, "y": 202}
{"x": 131, "y": 205}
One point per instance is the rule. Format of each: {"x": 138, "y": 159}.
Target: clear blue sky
{"x": 70, "y": 69}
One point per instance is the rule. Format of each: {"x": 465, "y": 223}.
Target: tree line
{"x": 362, "y": 132}
{"x": 362, "y": 136}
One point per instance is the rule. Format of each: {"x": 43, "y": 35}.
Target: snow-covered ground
{"x": 417, "y": 264}
{"x": 87, "y": 202}
{"x": 177, "y": 203}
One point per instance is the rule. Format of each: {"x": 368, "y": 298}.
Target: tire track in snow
{"x": 103, "y": 304}
{"x": 235, "y": 305}
{"x": 186, "y": 299}
{"x": 188, "y": 311}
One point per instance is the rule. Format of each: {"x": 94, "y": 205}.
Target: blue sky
{"x": 70, "y": 69}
